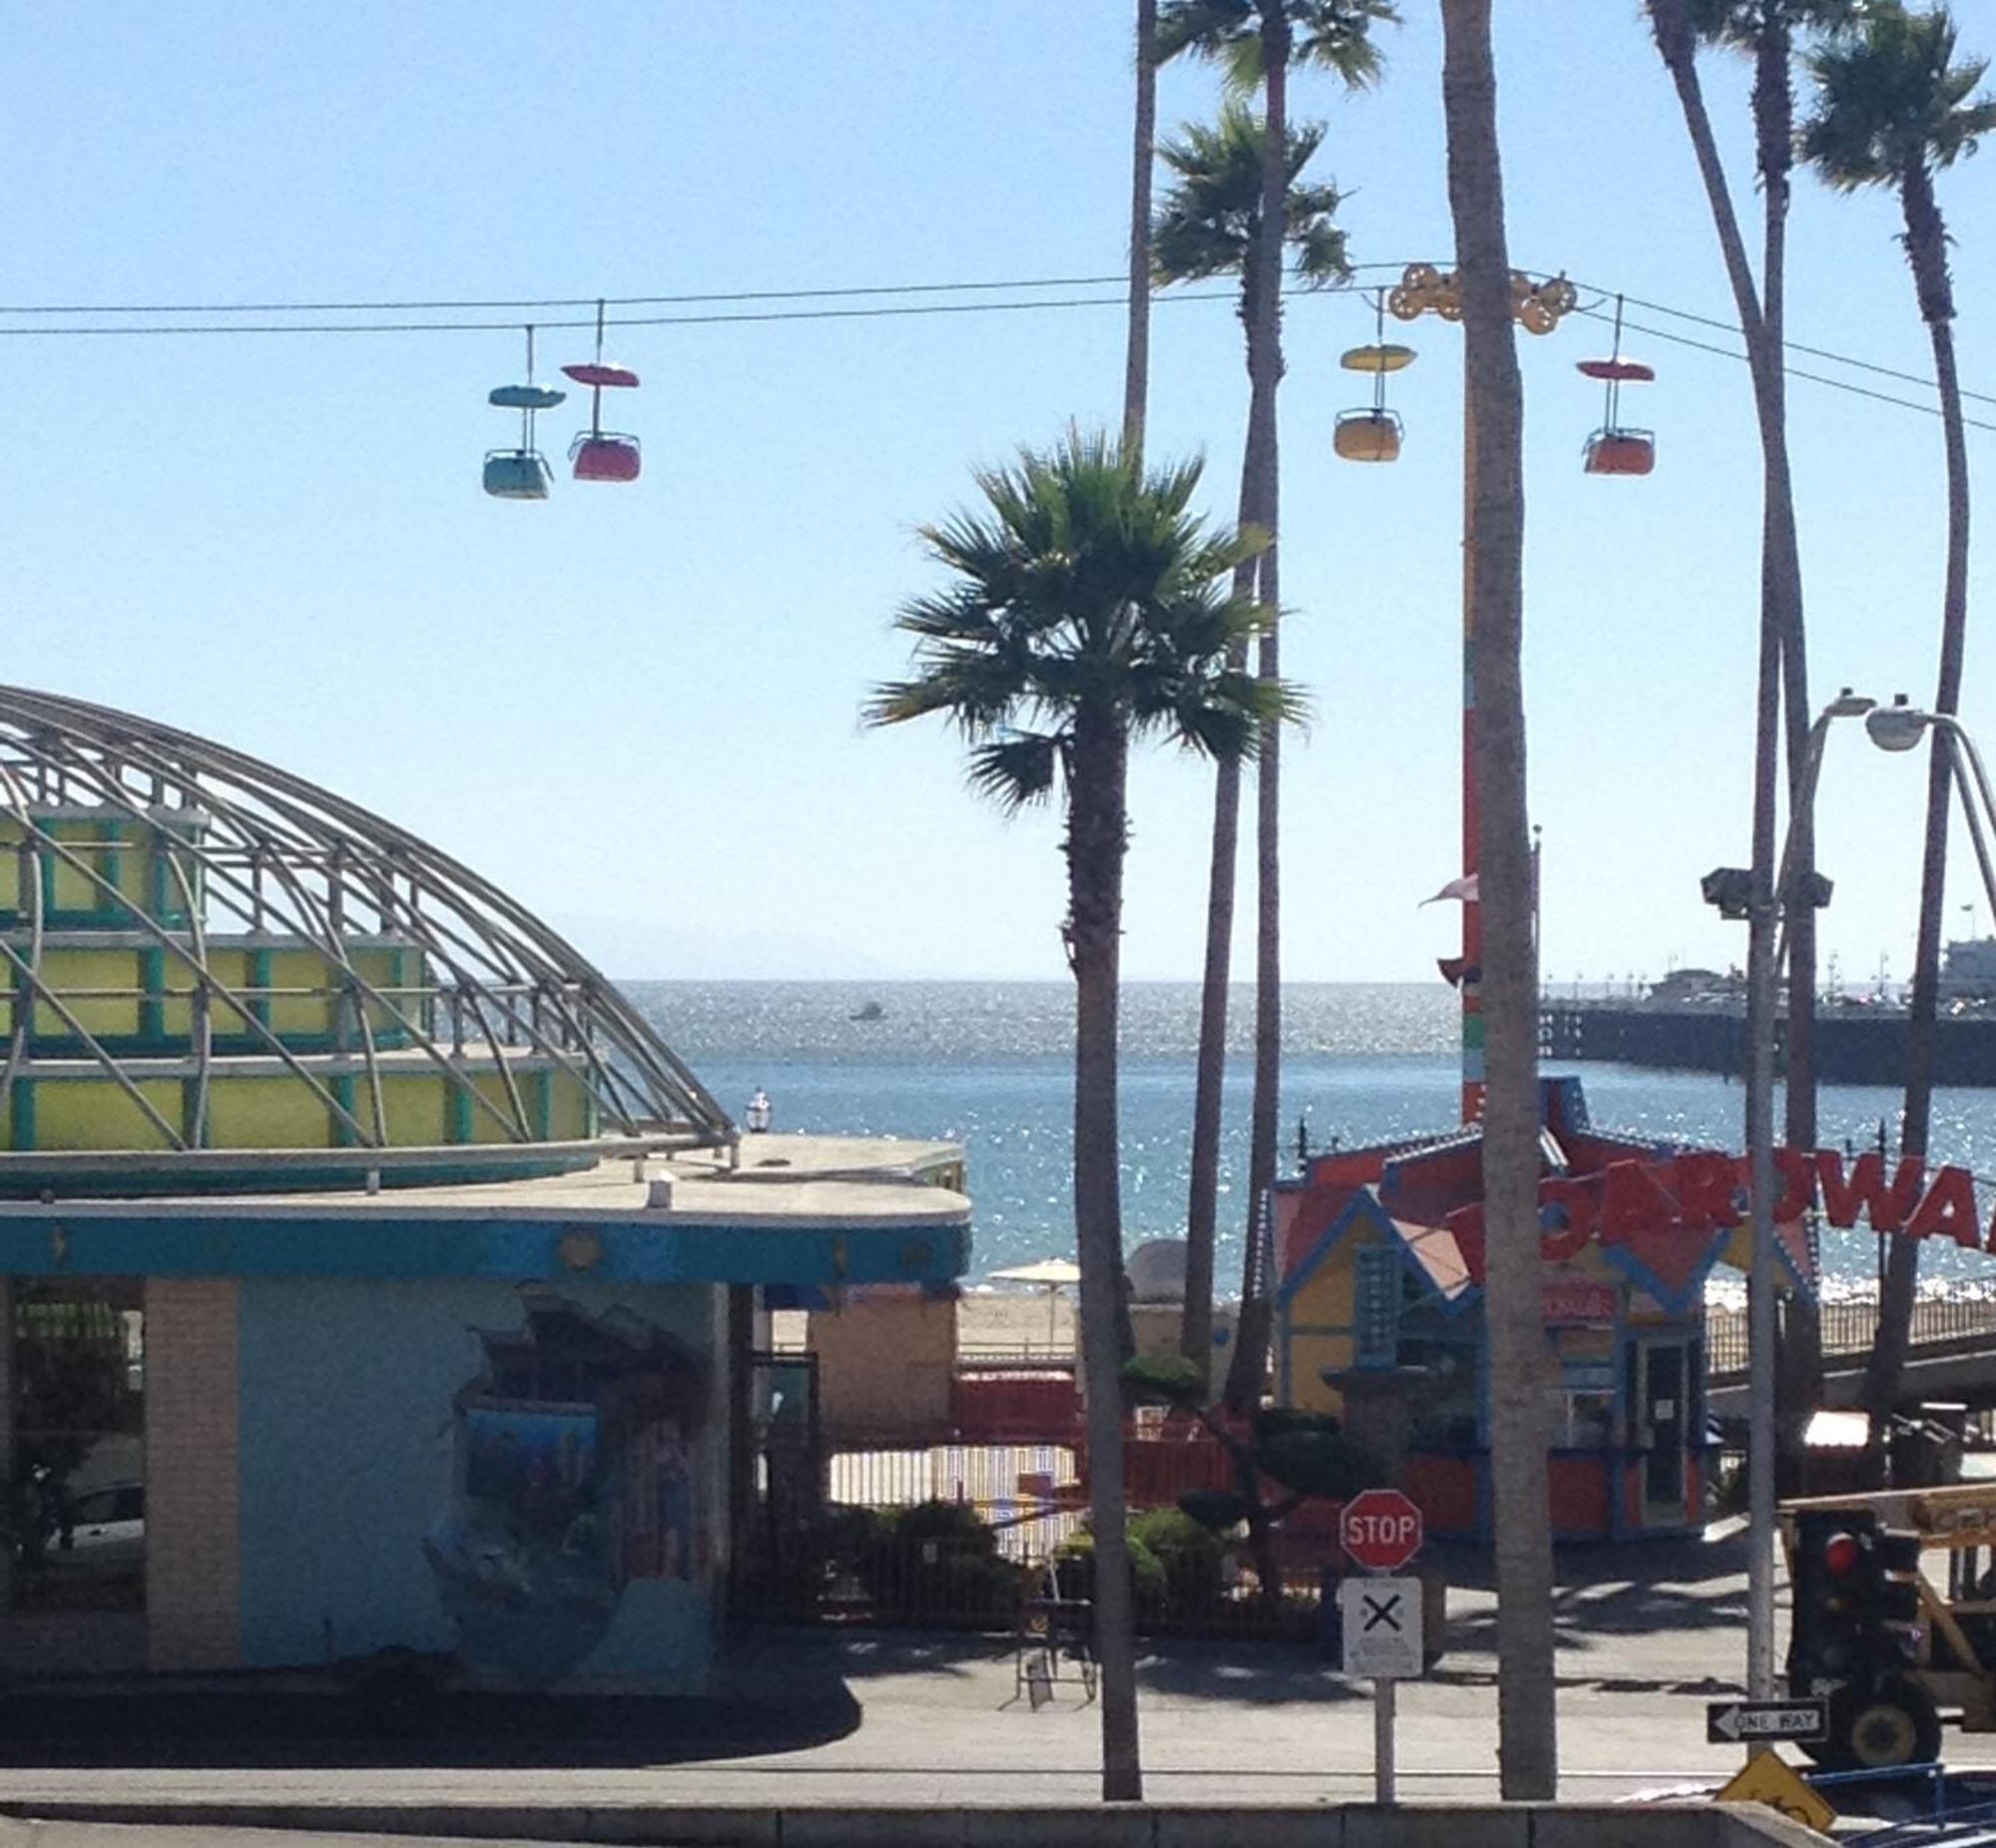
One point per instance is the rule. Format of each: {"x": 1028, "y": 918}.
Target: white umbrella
{"x": 1052, "y": 1274}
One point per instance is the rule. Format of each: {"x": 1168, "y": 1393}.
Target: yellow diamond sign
{"x": 1775, "y": 1782}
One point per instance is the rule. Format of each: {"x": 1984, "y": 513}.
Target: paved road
{"x": 865, "y": 1718}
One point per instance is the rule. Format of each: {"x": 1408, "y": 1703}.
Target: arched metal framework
{"x": 237, "y": 852}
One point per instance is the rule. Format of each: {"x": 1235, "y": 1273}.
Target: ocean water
{"x": 989, "y": 1065}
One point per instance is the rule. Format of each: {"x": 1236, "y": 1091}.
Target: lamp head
{"x": 1897, "y": 727}
{"x": 1849, "y": 704}
{"x": 1729, "y": 891}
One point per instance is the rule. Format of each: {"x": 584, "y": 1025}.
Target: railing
{"x": 1852, "y": 1328}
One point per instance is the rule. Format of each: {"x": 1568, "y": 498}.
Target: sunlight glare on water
{"x": 990, "y": 1065}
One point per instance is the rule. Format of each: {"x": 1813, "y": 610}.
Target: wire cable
{"x": 579, "y": 301}
{"x": 878, "y": 301}
{"x": 1797, "y": 346}
{"x": 1814, "y": 378}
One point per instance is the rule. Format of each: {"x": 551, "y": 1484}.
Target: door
{"x": 1663, "y": 1413}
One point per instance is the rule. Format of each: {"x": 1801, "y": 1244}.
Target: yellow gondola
{"x": 1367, "y": 436}
{"x": 1372, "y": 433}
{"x": 1380, "y": 357}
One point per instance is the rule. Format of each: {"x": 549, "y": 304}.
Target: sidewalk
{"x": 872, "y": 1717}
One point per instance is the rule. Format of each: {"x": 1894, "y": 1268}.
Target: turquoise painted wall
{"x": 354, "y": 1456}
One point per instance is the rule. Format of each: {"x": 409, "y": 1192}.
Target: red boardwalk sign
{"x": 1380, "y": 1529}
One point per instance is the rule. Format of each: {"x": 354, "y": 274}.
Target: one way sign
{"x": 1728, "y": 1723}
{"x": 1382, "y": 1627}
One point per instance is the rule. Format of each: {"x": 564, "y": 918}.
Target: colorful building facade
{"x": 1382, "y": 1252}
{"x": 364, "y": 1258}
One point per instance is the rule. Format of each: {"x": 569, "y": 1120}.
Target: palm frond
{"x": 1208, "y": 221}
{"x": 1333, "y": 35}
{"x": 1891, "y": 98}
{"x": 1018, "y": 770}
{"x": 1336, "y": 36}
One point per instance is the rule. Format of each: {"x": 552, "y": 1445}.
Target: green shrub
{"x": 1074, "y": 1561}
{"x": 1189, "y": 1553}
{"x": 950, "y": 1520}
{"x": 936, "y": 1563}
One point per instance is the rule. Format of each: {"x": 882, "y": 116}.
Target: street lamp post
{"x": 1734, "y": 893}
{"x": 1899, "y": 727}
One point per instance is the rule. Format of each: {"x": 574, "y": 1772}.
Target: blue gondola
{"x": 521, "y": 474}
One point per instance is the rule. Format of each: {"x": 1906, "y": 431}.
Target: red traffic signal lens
{"x": 1841, "y": 1553}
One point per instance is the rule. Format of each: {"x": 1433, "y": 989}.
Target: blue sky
{"x": 637, "y": 706}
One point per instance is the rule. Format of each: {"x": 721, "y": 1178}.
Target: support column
{"x": 194, "y": 1517}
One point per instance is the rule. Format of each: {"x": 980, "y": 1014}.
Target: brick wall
{"x": 193, "y": 1533}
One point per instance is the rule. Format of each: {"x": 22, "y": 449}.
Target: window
{"x": 1377, "y": 1305}
{"x": 79, "y": 1390}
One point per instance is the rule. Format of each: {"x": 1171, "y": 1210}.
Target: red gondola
{"x": 598, "y": 454}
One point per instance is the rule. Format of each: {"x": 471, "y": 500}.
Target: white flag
{"x": 1463, "y": 888}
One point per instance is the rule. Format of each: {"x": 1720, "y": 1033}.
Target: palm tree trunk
{"x": 1528, "y": 1748}
{"x": 1097, "y": 838}
{"x": 1926, "y": 250}
{"x": 1248, "y": 1375}
{"x": 1136, "y": 358}
{"x": 1210, "y": 1078}
{"x": 1799, "y": 1386}
{"x": 1782, "y": 660}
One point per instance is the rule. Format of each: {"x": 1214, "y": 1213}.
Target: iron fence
{"x": 1852, "y": 1328}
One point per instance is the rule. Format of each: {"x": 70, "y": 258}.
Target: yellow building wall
{"x": 66, "y": 971}
{"x": 569, "y": 1117}
{"x": 415, "y": 1107}
{"x": 1309, "y": 1356}
{"x": 97, "y": 1114}
{"x": 491, "y": 1087}
{"x": 1316, "y": 1327}
{"x": 231, "y": 967}
{"x": 277, "y": 1112}
{"x": 127, "y": 863}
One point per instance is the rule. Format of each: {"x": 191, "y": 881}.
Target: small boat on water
{"x": 872, "y": 1011}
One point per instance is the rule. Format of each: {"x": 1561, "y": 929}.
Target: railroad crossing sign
{"x": 1728, "y": 1722}
{"x": 1380, "y": 1529}
{"x": 1381, "y": 1620}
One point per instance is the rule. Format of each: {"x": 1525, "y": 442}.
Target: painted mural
{"x": 573, "y": 1484}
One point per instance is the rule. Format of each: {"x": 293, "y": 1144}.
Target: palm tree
{"x": 1766, "y": 30}
{"x": 1527, "y": 1743}
{"x": 1210, "y": 226}
{"x": 1089, "y": 610}
{"x": 1256, "y": 41}
{"x": 1893, "y": 109}
{"x": 1136, "y": 357}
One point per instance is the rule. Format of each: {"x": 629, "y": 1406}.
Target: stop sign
{"x": 1380, "y": 1529}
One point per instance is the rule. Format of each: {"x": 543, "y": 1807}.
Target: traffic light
{"x": 1856, "y": 1599}
{"x": 1892, "y": 1601}
{"x": 1826, "y": 1641}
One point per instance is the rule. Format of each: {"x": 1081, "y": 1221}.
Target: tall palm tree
{"x": 1766, "y": 30}
{"x": 1256, "y": 41}
{"x": 1088, "y": 610}
{"x": 1137, "y": 354}
{"x": 1894, "y": 108}
{"x": 1527, "y": 1743}
{"x": 1210, "y": 226}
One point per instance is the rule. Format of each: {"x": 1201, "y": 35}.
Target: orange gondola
{"x": 1616, "y": 449}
